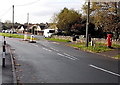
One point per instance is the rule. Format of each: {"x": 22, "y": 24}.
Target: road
{"x": 51, "y": 62}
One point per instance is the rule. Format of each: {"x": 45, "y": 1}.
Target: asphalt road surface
{"x": 51, "y": 62}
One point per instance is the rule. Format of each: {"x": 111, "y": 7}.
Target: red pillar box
{"x": 109, "y": 39}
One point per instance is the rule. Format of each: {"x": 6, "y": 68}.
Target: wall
{"x": 82, "y": 39}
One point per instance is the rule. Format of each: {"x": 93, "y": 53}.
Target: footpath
{"x": 6, "y": 73}
{"x": 0, "y": 65}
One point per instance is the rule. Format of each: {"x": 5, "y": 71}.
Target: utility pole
{"x": 87, "y": 24}
{"x": 27, "y": 18}
{"x": 13, "y": 19}
{"x": 27, "y": 21}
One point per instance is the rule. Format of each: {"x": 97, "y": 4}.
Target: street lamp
{"x": 87, "y": 24}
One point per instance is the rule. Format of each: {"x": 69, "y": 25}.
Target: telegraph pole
{"x": 28, "y": 18}
{"x": 27, "y": 21}
{"x": 13, "y": 18}
{"x": 87, "y": 24}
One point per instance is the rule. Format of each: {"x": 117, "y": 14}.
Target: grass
{"x": 96, "y": 49}
{"x": 13, "y": 35}
{"x": 117, "y": 56}
{"x": 58, "y": 40}
{"x": 105, "y": 44}
{"x": 115, "y": 45}
{"x": 99, "y": 47}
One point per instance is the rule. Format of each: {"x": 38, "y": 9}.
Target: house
{"x": 35, "y": 29}
{"x": 21, "y": 29}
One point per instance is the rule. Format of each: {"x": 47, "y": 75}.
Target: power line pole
{"x": 27, "y": 21}
{"x": 13, "y": 18}
{"x": 87, "y": 24}
{"x": 28, "y": 18}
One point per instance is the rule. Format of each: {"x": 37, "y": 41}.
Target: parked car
{"x": 48, "y": 32}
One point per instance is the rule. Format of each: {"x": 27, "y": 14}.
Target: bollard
{"x": 4, "y": 42}
{"x": 92, "y": 43}
{"x": 25, "y": 37}
{"x": 3, "y": 56}
{"x": 3, "y": 63}
{"x": 4, "y": 37}
{"x": 32, "y": 39}
{"x": 4, "y": 50}
{"x": 3, "y": 60}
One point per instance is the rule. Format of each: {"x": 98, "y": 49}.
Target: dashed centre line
{"x": 54, "y": 49}
{"x": 35, "y": 45}
{"x": 72, "y": 58}
{"x": 47, "y": 49}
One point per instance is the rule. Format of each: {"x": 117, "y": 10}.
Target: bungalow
{"x": 35, "y": 29}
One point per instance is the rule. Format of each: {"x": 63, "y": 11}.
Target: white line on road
{"x": 60, "y": 54}
{"x": 35, "y": 45}
{"x": 55, "y": 43}
{"x": 54, "y": 49}
{"x": 104, "y": 70}
{"x": 66, "y": 56}
{"x": 47, "y": 49}
{"x": 70, "y": 56}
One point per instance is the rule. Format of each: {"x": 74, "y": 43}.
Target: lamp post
{"x": 87, "y": 23}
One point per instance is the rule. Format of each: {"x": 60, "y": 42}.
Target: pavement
{"x": 6, "y": 74}
{"x": 0, "y": 65}
{"x": 112, "y": 53}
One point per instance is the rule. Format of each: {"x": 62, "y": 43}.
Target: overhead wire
{"x": 30, "y": 3}
{"x": 1, "y": 16}
{"x": 27, "y": 4}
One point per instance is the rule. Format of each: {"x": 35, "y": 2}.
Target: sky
{"x": 40, "y": 11}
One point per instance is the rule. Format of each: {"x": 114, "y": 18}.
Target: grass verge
{"x": 58, "y": 40}
{"x": 13, "y": 35}
{"x": 99, "y": 47}
{"x": 117, "y": 56}
{"x": 96, "y": 49}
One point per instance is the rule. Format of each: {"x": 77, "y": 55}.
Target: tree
{"x": 105, "y": 15}
{"x": 66, "y": 19}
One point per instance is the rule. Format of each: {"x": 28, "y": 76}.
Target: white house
{"x": 21, "y": 29}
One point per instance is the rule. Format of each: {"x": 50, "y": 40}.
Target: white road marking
{"x": 47, "y": 49}
{"x": 110, "y": 72}
{"x": 35, "y": 45}
{"x": 60, "y": 54}
{"x": 66, "y": 56}
{"x": 55, "y": 43}
{"x": 70, "y": 56}
{"x": 54, "y": 49}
